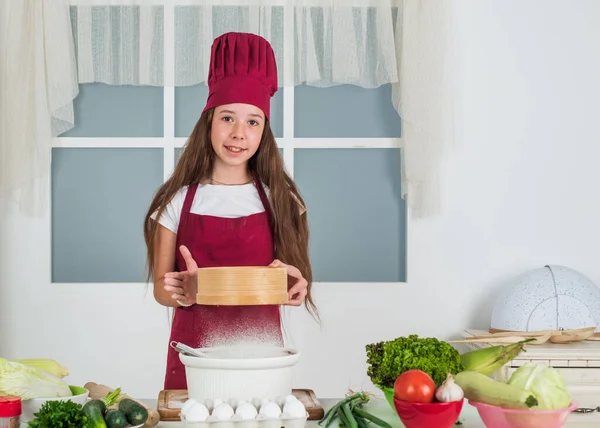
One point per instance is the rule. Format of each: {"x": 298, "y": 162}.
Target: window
{"x": 341, "y": 144}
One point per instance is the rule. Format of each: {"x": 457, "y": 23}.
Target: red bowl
{"x": 428, "y": 415}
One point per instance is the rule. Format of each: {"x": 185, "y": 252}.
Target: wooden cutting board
{"x": 179, "y": 396}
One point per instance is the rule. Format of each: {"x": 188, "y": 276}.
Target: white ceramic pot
{"x": 240, "y": 372}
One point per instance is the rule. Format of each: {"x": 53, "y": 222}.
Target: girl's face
{"x": 236, "y": 132}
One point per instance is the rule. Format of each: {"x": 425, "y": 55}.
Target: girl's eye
{"x": 253, "y": 122}
{"x": 227, "y": 118}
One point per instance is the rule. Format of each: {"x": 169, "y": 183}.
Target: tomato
{"x": 414, "y": 386}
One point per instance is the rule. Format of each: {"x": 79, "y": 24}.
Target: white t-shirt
{"x": 215, "y": 200}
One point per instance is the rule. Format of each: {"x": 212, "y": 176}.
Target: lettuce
{"x": 30, "y": 382}
{"x": 389, "y": 359}
{"x": 545, "y": 383}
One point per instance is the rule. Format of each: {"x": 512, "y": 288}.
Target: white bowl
{"x": 33, "y": 405}
{"x": 240, "y": 372}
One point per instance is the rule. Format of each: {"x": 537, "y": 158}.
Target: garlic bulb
{"x": 449, "y": 391}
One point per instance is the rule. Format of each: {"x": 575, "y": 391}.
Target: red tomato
{"x": 414, "y": 386}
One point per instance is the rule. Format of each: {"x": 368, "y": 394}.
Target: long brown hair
{"x": 289, "y": 227}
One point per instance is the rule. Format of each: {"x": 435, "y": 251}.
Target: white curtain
{"x": 426, "y": 97}
{"x": 334, "y": 43}
{"x": 38, "y": 83}
{"x": 123, "y": 42}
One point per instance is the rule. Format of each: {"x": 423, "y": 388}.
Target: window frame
{"x": 287, "y": 142}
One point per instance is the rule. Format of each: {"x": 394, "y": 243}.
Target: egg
{"x": 197, "y": 413}
{"x": 187, "y": 405}
{"x": 294, "y": 409}
{"x": 289, "y": 398}
{"x": 270, "y": 409}
{"x": 222, "y": 411}
{"x": 246, "y": 411}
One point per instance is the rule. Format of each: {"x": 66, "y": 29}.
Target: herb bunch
{"x": 389, "y": 359}
{"x": 60, "y": 414}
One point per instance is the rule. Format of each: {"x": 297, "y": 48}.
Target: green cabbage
{"x": 29, "y": 382}
{"x": 545, "y": 383}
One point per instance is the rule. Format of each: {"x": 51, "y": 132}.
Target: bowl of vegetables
{"x": 498, "y": 417}
{"x": 387, "y": 360}
{"x": 534, "y": 396}
{"x": 419, "y": 403}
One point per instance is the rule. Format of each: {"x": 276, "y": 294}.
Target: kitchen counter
{"x": 381, "y": 408}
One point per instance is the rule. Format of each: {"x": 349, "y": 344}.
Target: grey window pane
{"x": 344, "y": 111}
{"x": 190, "y": 101}
{"x": 118, "y": 111}
{"x": 356, "y": 214}
{"x": 99, "y": 199}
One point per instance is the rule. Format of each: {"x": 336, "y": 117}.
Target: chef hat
{"x": 242, "y": 70}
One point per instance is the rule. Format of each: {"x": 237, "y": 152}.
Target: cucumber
{"x": 483, "y": 389}
{"x": 115, "y": 419}
{"x": 94, "y": 412}
{"x": 135, "y": 413}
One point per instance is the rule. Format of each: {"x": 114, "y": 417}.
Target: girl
{"x": 229, "y": 202}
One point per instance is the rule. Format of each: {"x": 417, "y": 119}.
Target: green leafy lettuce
{"x": 545, "y": 383}
{"x": 389, "y": 359}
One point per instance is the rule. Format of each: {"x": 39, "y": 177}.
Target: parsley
{"x": 59, "y": 414}
{"x": 389, "y": 359}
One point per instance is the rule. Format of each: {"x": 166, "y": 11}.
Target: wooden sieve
{"x": 242, "y": 285}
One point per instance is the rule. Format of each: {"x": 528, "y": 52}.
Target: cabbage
{"x": 29, "y": 382}
{"x": 545, "y": 383}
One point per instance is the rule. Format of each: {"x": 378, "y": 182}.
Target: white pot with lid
{"x": 240, "y": 372}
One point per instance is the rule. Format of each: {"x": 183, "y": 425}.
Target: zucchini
{"x": 94, "y": 412}
{"x": 135, "y": 413}
{"x": 483, "y": 389}
{"x": 115, "y": 419}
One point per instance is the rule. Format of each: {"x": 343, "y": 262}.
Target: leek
{"x": 30, "y": 382}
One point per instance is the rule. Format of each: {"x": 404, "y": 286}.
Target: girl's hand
{"x": 297, "y": 292}
{"x": 183, "y": 285}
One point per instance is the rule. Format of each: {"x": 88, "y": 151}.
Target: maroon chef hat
{"x": 242, "y": 70}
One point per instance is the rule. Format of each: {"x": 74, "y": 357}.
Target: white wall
{"x": 521, "y": 192}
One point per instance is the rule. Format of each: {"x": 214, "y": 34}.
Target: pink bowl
{"x": 428, "y": 415}
{"x": 497, "y": 417}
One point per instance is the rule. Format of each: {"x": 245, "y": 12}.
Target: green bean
{"x": 372, "y": 418}
{"x": 329, "y": 416}
{"x": 349, "y": 416}
{"x": 362, "y": 423}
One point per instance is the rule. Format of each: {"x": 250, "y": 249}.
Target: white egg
{"x": 197, "y": 413}
{"x": 223, "y": 411}
{"x": 290, "y": 397}
{"x": 294, "y": 409}
{"x": 246, "y": 411}
{"x": 216, "y": 402}
{"x": 187, "y": 405}
{"x": 270, "y": 410}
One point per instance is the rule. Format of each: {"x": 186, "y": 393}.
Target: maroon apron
{"x": 215, "y": 241}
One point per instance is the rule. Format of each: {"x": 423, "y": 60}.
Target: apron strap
{"x": 265, "y": 202}
{"x": 187, "y": 204}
